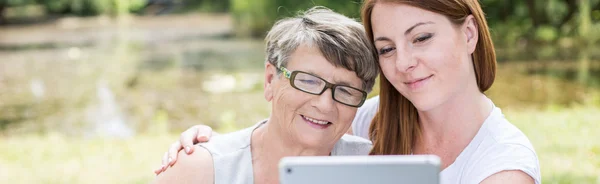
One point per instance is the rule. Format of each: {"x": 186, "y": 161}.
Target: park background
{"x": 94, "y": 91}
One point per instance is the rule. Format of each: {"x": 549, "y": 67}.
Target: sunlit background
{"x": 93, "y": 91}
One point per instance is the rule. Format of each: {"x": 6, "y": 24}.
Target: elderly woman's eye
{"x": 310, "y": 81}
{"x": 345, "y": 91}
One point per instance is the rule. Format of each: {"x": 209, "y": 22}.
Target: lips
{"x": 418, "y": 80}
{"x": 316, "y": 123}
{"x": 416, "y": 83}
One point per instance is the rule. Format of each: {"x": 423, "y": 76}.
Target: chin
{"x": 311, "y": 141}
{"x": 307, "y": 137}
{"x": 424, "y": 103}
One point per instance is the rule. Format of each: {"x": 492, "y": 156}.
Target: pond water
{"x": 153, "y": 75}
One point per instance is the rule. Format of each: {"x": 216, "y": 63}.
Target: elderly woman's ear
{"x": 270, "y": 74}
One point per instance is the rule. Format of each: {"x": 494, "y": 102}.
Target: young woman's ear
{"x": 471, "y": 31}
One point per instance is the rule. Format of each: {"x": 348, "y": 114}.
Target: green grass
{"x": 567, "y": 142}
{"x": 57, "y": 159}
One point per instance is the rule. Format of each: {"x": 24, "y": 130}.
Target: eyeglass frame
{"x": 291, "y": 75}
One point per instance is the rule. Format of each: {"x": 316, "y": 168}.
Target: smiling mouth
{"x": 316, "y": 123}
{"x": 418, "y": 80}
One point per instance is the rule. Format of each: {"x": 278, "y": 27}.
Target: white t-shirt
{"x": 498, "y": 146}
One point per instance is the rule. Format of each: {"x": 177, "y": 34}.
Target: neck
{"x": 270, "y": 144}
{"x": 466, "y": 112}
{"x": 447, "y": 129}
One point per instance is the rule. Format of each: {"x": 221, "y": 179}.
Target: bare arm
{"x": 187, "y": 139}
{"x": 193, "y": 168}
{"x": 512, "y": 176}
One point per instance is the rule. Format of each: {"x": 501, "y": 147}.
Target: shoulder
{"x": 498, "y": 128}
{"x": 499, "y": 135}
{"x": 352, "y": 145}
{"x": 503, "y": 157}
{"x": 194, "y": 168}
{"x": 503, "y": 148}
{"x": 228, "y": 143}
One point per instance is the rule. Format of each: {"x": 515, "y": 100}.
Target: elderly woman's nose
{"x": 324, "y": 102}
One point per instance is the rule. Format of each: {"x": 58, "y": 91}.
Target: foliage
{"x": 80, "y": 7}
{"x": 512, "y": 20}
{"x": 254, "y": 18}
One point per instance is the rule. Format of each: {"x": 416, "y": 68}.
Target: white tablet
{"x": 413, "y": 169}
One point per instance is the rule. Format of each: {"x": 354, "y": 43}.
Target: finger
{"x": 187, "y": 139}
{"x": 204, "y": 133}
{"x": 173, "y": 151}
{"x": 165, "y": 160}
{"x": 158, "y": 170}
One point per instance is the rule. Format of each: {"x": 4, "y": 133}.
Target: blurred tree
{"x": 254, "y": 18}
{"x": 537, "y": 20}
{"x": 2, "y": 9}
{"x": 542, "y": 21}
{"x": 91, "y": 7}
{"x": 584, "y": 36}
{"x": 9, "y": 3}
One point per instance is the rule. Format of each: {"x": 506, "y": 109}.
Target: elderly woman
{"x": 319, "y": 67}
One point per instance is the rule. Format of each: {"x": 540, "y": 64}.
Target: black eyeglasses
{"x": 315, "y": 85}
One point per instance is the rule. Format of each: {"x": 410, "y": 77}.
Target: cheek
{"x": 452, "y": 69}
{"x": 287, "y": 99}
{"x": 346, "y": 115}
{"x": 388, "y": 69}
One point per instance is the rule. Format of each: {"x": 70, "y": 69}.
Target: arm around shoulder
{"x": 194, "y": 168}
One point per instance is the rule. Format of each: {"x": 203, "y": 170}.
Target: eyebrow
{"x": 416, "y": 25}
{"x": 383, "y": 38}
{"x": 343, "y": 83}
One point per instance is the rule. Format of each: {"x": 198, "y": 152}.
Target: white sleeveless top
{"x": 232, "y": 156}
{"x": 498, "y": 146}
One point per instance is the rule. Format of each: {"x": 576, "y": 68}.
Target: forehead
{"x": 308, "y": 58}
{"x": 398, "y": 17}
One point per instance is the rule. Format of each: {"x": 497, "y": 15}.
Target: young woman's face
{"x": 422, "y": 54}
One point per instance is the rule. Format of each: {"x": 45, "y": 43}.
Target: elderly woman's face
{"x": 311, "y": 120}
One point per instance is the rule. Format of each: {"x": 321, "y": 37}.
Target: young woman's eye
{"x": 385, "y": 50}
{"x": 423, "y": 38}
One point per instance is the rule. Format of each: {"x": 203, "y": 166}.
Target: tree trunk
{"x": 538, "y": 17}
{"x": 507, "y": 10}
{"x": 585, "y": 19}
{"x": 533, "y": 13}
{"x": 572, "y": 5}
{"x": 2, "y": 17}
{"x": 583, "y": 70}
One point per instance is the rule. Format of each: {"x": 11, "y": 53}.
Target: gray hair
{"x": 342, "y": 41}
